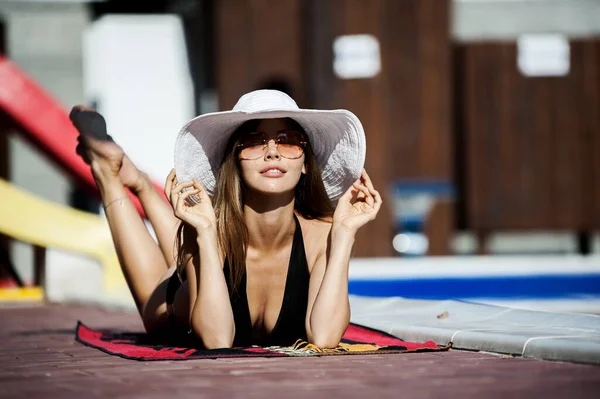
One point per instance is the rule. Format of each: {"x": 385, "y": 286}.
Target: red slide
{"x": 45, "y": 123}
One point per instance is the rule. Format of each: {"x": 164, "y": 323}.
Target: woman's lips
{"x": 272, "y": 172}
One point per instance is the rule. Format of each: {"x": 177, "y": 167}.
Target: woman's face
{"x": 274, "y": 171}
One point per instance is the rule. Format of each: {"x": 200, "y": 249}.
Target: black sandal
{"x": 89, "y": 123}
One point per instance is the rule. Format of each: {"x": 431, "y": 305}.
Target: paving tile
{"x": 482, "y": 327}
{"x": 39, "y": 358}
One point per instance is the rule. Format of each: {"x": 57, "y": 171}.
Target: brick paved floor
{"x": 39, "y": 358}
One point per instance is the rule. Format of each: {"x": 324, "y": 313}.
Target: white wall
{"x": 136, "y": 67}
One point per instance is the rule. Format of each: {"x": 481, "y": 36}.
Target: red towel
{"x": 141, "y": 346}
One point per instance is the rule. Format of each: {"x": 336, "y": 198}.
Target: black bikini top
{"x": 290, "y": 325}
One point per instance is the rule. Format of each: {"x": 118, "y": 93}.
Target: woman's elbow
{"x": 330, "y": 340}
{"x": 213, "y": 339}
{"x": 216, "y": 343}
{"x": 325, "y": 342}
{"x": 328, "y": 335}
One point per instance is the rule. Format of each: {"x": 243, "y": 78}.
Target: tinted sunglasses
{"x": 289, "y": 143}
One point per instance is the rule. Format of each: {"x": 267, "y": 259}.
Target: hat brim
{"x": 336, "y": 137}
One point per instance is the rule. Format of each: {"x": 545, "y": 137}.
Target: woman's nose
{"x": 272, "y": 151}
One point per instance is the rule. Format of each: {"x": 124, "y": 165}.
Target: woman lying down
{"x": 251, "y": 249}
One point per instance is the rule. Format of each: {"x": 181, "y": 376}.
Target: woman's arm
{"x": 211, "y": 315}
{"x": 328, "y": 312}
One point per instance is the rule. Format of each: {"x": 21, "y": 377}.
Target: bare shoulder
{"x": 315, "y": 233}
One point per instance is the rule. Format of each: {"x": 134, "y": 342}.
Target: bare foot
{"x": 131, "y": 176}
{"x": 108, "y": 160}
{"x": 105, "y": 157}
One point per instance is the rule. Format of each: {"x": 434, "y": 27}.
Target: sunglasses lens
{"x": 291, "y": 144}
{"x": 252, "y": 146}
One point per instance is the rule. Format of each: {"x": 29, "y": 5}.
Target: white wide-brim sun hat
{"x": 336, "y": 136}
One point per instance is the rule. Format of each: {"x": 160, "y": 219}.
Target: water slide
{"x": 45, "y": 123}
{"x": 38, "y": 221}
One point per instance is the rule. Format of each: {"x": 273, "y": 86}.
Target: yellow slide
{"x": 34, "y": 220}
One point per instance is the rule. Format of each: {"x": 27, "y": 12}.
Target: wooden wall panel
{"x": 528, "y": 163}
{"x": 365, "y": 98}
{"x": 258, "y": 41}
{"x": 405, "y": 109}
{"x": 590, "y": 101}
{"x": 594, "y": 132}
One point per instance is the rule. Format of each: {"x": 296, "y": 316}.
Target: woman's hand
{"x": 359, "y": 205}
{"x": 199, "y": 212}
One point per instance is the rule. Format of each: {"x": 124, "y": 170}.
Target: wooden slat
{"x": 258, "y": 41}
{"x": 593, "y": 93}
{"x": 364, "y": 98}
{"x": 527, "y": 140}
{"x": 590, "y": 103}
{"x": 233, "y": 62}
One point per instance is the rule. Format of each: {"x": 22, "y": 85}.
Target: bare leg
{"x": 158, "y": 211}
{"x": 142, "y": 261}
{"x": 165, "y": 224}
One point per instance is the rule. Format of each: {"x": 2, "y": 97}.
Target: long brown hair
{"x": 311, "y": 201}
